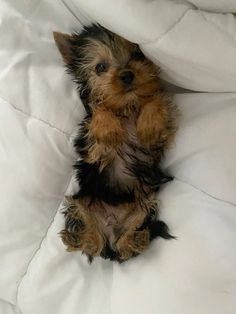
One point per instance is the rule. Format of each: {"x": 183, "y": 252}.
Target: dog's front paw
{"x": 149, "y": 134}
{"x": 151, "y": 124}
{"x": 106, "y": 128}
{"x": 111, "y": 138}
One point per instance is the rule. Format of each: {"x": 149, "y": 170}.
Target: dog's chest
{"x": 130, "y": 154}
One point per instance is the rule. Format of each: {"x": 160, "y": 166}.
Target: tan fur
{"x": 106, "y": 134}
{"x": 131, "y": 240}
{"x": 106, "y": 128}
{"x": 131, "y": 243}
{"x": 61, "y": 41}
{"x": 112, "y": 103}
{"x": 152, "y": 122}
{"x": 99, "y": 152}
{"x": 89, "y": 239}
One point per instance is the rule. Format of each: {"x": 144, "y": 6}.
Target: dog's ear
{"x": 63, "y": 42}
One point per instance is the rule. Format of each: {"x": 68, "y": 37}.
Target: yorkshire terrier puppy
{"x": 129, "y": 123}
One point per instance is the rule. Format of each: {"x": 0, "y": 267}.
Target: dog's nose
{"x": 127, "y": 77}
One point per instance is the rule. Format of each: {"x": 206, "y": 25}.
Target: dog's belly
{"x": 112, "y": 220}
{"x": 116, "y": 220}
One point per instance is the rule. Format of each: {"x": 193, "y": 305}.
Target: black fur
{"x": 98, "y": 185}
{"x": 149, "y": 173}
{"x": 78, "y": 56}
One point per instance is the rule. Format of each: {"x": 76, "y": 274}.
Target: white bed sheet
{"x": 39, "y": 112}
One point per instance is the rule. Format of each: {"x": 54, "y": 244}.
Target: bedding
{"x": 40, "y": 111}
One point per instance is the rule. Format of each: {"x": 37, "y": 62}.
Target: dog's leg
{"x": 133, "y": 241}
{"x": 106, "y": 134}
{"x": 81, "y": 229}
{"x": 152, "y": 123}
{"x": 106, "y": 128}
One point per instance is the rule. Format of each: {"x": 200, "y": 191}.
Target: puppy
{"x": 129, "y": 124}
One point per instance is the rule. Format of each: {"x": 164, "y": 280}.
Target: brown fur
{"x": 89, "y": 238}
{"x": 106, "y": 134}
{"x": 94, "y": 221}
{"x": 113, "y": 105}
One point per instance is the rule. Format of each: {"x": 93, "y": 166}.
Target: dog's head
{"x": 107, "y": 68}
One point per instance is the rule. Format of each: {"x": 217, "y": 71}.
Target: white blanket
{"x": 40, "y": 110}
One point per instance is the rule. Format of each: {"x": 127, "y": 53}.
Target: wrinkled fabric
{"x": 195, "y": 48}
{"x": 39, "y": 114}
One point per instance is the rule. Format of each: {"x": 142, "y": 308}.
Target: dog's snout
{"x": 127, "y": 77}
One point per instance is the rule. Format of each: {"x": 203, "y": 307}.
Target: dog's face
{"x": 107, "y": 68}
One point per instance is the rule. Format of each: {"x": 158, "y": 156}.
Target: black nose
{"x": 127, "y": 77}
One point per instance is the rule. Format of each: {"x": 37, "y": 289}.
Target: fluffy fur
{"x": 129, "y": 123}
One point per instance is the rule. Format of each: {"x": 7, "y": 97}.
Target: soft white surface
{"x": 222, "y": 6}
{"x": 195, "y": 49}
{"x": 39, "y": 112}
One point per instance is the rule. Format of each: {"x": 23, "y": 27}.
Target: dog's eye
{"x": 101, "y": 67}
{"x": 138, "y": 55}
